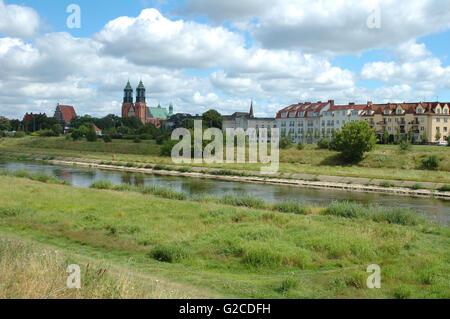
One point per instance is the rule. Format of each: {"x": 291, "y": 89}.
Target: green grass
{"x": 234, "y": 251}
{"x": 385, "y": 162}
{"x": 394, "y": 215}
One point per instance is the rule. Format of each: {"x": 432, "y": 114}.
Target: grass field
{"x": 385, "y": 162}
{"x": 220, "y": 249}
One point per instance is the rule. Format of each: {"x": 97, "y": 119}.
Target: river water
{"x": 433, "y": 209}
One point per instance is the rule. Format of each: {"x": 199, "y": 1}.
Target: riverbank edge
{"x": 400, "y": 191}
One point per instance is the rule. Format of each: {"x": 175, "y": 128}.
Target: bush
{"x": 355, "y": 139}
{"x": 169, "y": 253}
{"x": 19, "y": 134}
{"x": 245, "y": 201}
{"x": 323, "y": 143}
{"x": 166, "y": 149}
{"x": 76, "y": 134}
{"x": 300, "y": 146}
{"x": 285, "y": 142}
{"x": 137, "y": 140}
{"x": 107, "y": 139}
{"x": 431, "y": 163}
{"x": 445, "y": 188}
{"x": 291, "y": 207}
{"x": 104, "y": 184}
{"x": 404, "y": 145}
{"x": 91, "y": 136}
{"x": 346, "y": 209}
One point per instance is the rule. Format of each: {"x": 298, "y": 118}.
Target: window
{"x": 422, "y": 128}
{"x": 446, "y": 111}
{"x": 445, "y": 128}
{"x": 399, "y": 111}
{"x": 422, "y": 120}
{"x": 446, "y": 120}
{"x": 438, "y": 120}
{"x": 438, "y": 111}
{"x": 419, "y": 111}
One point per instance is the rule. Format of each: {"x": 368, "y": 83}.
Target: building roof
{"x": 68, "y": 112}
{"x": 96, "y": 128}
{"x": 157, "y": 113}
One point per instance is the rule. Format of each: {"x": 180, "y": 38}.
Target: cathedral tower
{"x": 127, "y": 106}
{"x": 140, "y": 107}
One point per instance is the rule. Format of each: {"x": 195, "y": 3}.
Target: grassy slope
{"x": 385, "y": 162}
{"x": 233, "y": 251}
{"x": 35, "y": 271}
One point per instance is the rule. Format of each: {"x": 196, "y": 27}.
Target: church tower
{"x": 127, "y": 106}
{"x": 140, "y": 106}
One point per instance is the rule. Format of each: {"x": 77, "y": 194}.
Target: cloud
{"x": 328, "y": 26}
{"x": 152, "y": 39}
{"x": 18, "y": 21}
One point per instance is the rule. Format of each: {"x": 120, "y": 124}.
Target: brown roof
{"x": 96, "y": 128}
{"x": 68, "y": 112}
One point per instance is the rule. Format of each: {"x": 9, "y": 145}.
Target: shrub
{"x": 404, "y": 145}
{"x": 245, "y": 201}
{"x": 323, "y": 143}
{"x": 291, "y": 207}
{"x": 285, "y": 142}
{"x": 19, "y": 134}
{"x": 355, "y": 139}
{"x": 104, "y": 184}
{"x": 445, "y": 188}
{"x": 169, "y": 253}
{"x": 417, "y": 186}
{"x": 137, "y": 140}
{"x": 166, "y": 149}
{"x": 91, "y": 136}
{"x": 399, "y": 215}
{"x": 431, "y": 163}
{"x": 346, "y": 209}
{"x": 300, "y": 146}
{"x": 107, "y": 139}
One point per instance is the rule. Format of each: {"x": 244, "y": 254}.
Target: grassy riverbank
{"x": 385, "y": 162}
{"x": 230, "y": 248}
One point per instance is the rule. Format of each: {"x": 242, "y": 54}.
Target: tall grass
{"x": 32, "y": 272}
{"x": 40, "y": 177}
{"x": 392, "y": 215}
{"x": 152, "y": 190}
{"x": 291, "y": 207}
{"x": 243, "y": 201}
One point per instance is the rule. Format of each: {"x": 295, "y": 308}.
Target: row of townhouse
{"x": 423, "y": 120}
{"x": 308, "y": 122}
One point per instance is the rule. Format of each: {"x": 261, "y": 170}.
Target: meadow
{"x": 232, "y": 247}
{"x": 385, "y": 162}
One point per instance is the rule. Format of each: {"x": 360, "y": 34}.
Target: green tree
{"x": 424, "y": 138}
{"x": 57, "y": 129}
{"x": 438, "y": 135}
{"x": 355, "y": 139}
{"x": 5, "y": 125}
{"x": 386, "y": 137}
{"x": 212, "y": 118}
{"x": 91, "y": 136}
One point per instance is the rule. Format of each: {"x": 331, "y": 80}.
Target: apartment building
{"x": 423, "y": 120}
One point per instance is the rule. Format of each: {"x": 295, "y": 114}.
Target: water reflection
{"x": 83, "y": 177}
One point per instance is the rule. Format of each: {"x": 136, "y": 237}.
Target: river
{"x": 433, "y": 209}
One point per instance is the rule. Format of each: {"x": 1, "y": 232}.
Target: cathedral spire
{"x": 140, "y": 93}
{"x": 128, "y": 94}
{"x": 252, "y": 115}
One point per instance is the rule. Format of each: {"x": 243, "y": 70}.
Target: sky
{"x": 203, "y": 54}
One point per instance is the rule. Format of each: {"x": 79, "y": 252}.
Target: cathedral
{"x": 139, "y": 108}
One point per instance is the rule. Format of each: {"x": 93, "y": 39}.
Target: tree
{"x": 5, "y": 125}
{"x": 212, "y": 118}
{"x": 386, "y": 137}
{"x": 91, "y": 135}
{"x": 438, "y": 135}
{"x": 57, "y": 129}
{"x": 355, "y": 139}
{"x": 424, "y": 138}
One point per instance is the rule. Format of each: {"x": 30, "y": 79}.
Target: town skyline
{"x": 205, "y": 57}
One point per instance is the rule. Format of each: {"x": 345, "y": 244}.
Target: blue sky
{"x": 200, "y": 55}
